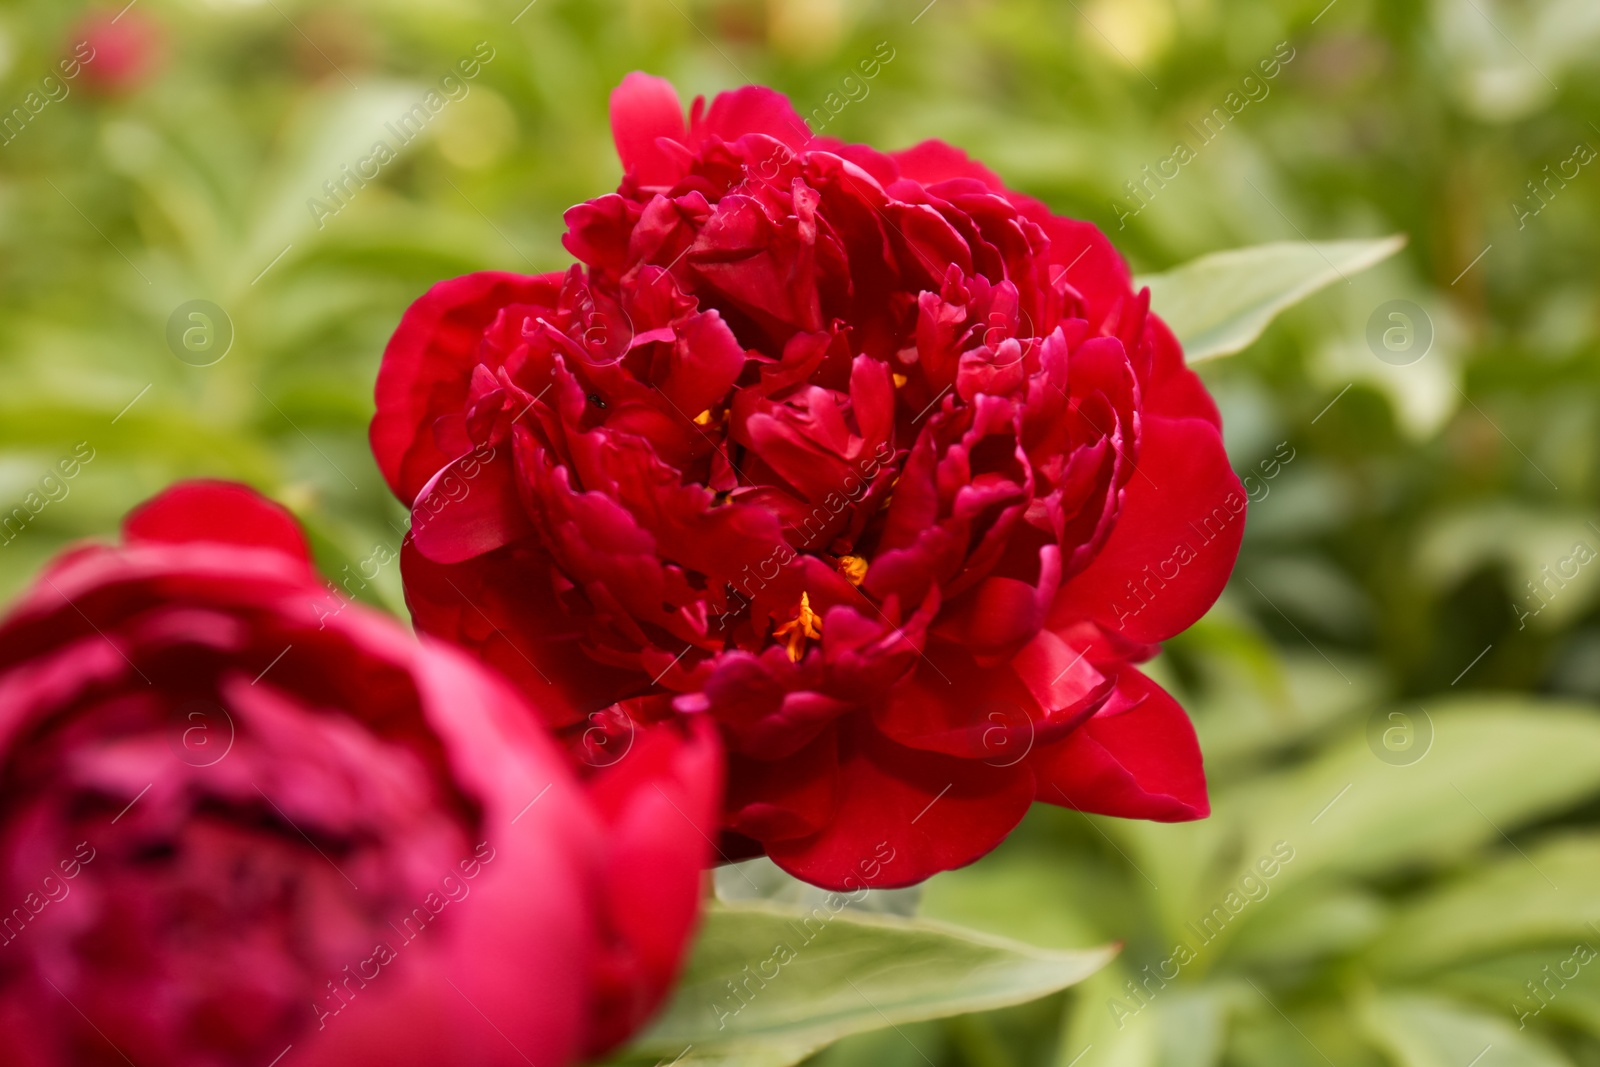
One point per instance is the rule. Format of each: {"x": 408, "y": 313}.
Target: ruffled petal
{"x": 1174, "y": 542}
{"x": 793, "y": 797}
{"x": 1138, "y": 758}
{"x": 904, "y": 815}
{"x": 506, "y": 607}
{"x": 469, "y": 508}
{"x": 427, "y": 368}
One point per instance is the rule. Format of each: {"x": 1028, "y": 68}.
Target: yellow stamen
{"x": 704, "y": 418}
{"x": 899, "y": 380}
{"x": 854, "y": 569}
{"x": 807, "y": 624}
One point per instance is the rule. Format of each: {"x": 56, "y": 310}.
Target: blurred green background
{"x": 1400, "y": 682}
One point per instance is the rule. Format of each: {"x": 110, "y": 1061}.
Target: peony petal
{"x": 1061, "y": 677}
{"x": 1001, "y": 614}
{"x": 220, "y": 512}
{"x": 598, "y": 231}
{"x": 1174, "y": 542}
{"x": 755, "y": 109}
{"x": 705, "y": 362}
{"x": 993, "y": 714}
{"x": 1173, "y": 389}
{"x": 1135, "y": 762}
{"x": 1091, "y": 264}
{"x": 469, "y": 508}
{"x": 659, "y": 806}
{"x": 934, "y": 161}
{"x": 643, "y": 109}
{"x": 428, "y": 365}
{"x": 506, "y": 609}
{"x": 904, "y": 815}
{"x": 558, "y": 912}
{"x": 793, "y": 797}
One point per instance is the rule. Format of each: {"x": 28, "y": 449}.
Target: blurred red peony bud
{"x": 119, "y": 52}
{"x": 241, "y": 819}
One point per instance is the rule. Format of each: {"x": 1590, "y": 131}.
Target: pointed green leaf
{"x": 1536, "y": 987}
{"x": 769, "y": 984}
{"x": 1102, "y": 1018}
{"x": 1548, "y": 894}
{"x": 1493, "y": 765}
{"x": 1429, "y": 1031}
{"x": 1219, "y": 304}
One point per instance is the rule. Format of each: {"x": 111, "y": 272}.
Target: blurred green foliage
{"x": 1417, "y": 550}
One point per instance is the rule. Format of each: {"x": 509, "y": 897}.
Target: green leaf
{"x": 1458, "y": 543}
{"x": 760, "y": 879}
{"x": 1494, "y": 764}
{"x": 1536, "y": 987}
{"x": 1088, "y": 897}
{"x": 1544, "y": 895}
{"x": 1099, "y": 1021}
{"x": 768, "y": 984}
{"x": 1321, "y": 917}
{"x": 1219, "y": 304}
{"x": 1429, "y": 1031}
{"x": 1192, "y": 1024}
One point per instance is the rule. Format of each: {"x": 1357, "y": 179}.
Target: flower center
{"x": 806, "y": 624}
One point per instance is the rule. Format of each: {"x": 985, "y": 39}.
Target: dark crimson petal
{"x": 469, "y": 508}
{"x": 904, "y": 815}
{"x": 793, "y": 797}
{"x": 760, "y": 262}
{"x": 955, "y": 705}
{"x": 1062, "y": 672}
{"x": 428, "y": 365}
{"x": 598, "y": 230}
{"x": 1174, "y": 542}
{"x": 880, "y": 165}
{"x": 506, "y": 608}
{"x": 1001, "y": 614}
{"x": 764, "y": 704}
{"x": 1137, "y": 759}
{"x": 1091, "y": 265}
{"x": 220, "y": 512}
{"x": 704, "y": 365}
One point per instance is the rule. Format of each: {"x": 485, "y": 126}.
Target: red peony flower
{"x": 882, "y": 467}
{"x": 232, "y": 822}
